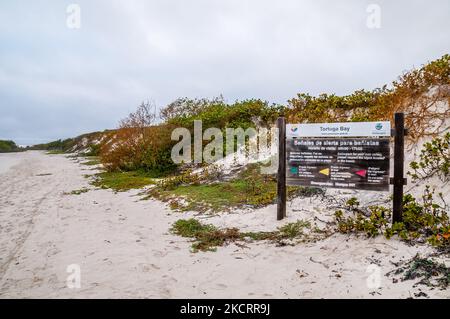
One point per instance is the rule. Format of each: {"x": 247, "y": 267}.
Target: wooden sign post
{"x": 281, "y": 178}
{"x": 352, "y": 155}
{"x": 399, "y": 160}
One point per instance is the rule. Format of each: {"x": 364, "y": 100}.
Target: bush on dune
{"x": 8, "y": 146}
{"x": 217, "y": 113}
{"x": 424, "y": 94}
{"x": 139, "y": 144}
{"x": 434, "y": 160}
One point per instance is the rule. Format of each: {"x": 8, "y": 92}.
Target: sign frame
{"x": 340, "y": 129}
{"x": 345, "y": 130}
{"x": 346, "y": 163}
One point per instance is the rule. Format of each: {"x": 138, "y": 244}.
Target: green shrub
{"x": 292, "y": 230}
{"x": 425, "y": 219}
{"x": 94, "y": 150}
{"x": 373, "y": 225}
{"x": 434, "y": 160}
{"x": 8, "y": 146}
{"x": 217, "y": 113}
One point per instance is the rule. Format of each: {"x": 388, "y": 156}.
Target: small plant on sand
{"x": 293, "y": 230}
{"x": 208, "y": 237}
{"x": 289, "y": 231}
{"x": 422, "y": 220}
{"x": 430, "y": 272}
{"x": 78, "y": 191}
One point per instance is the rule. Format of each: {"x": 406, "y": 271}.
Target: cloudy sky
{"x": 58, "y": 80}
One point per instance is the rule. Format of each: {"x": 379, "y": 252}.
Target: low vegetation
{"x": 427, "y": 219}
{"x": 207, "y": 237}
{"x": 122, "y": 181}
{"x": 431, "y": 273}
{"x": 55, "y": 152}
{"x": 423, "y": 220}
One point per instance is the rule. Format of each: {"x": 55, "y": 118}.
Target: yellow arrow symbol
{"x": 325, "y": 171}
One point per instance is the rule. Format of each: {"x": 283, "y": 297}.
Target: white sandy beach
{"x": 125, "y": 250}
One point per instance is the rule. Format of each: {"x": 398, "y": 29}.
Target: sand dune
{"x": 124, "y": 248}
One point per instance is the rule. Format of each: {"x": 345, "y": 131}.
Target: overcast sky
{"x": 58, "y": 81}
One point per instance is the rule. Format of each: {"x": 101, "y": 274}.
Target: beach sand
{"x": 8, "y": 160}
{"x": 124, "y": 249}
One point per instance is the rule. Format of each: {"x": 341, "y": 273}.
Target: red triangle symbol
{"x": 361, "y": 173}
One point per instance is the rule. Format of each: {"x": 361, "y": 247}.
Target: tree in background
{"x": 138, "y": 143}
{"x": 8, "y": 146}
{"x": 140, "y": 120}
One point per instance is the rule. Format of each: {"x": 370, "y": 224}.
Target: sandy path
{"x": 124, "y": 250}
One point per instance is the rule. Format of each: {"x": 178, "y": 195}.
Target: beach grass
{"x": 123, "y": 181}
{"x": 92, "y": 161}
{"x": 55, "y": 152}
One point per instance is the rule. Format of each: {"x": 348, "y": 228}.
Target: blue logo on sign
{"x": 379, "y": 126}
{"x": 294, "y": 129}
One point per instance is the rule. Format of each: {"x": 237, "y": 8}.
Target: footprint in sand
{"x": 158, "y": 253}
{"x": 53, "y": 251}
{"x": 221, "y": 286}
{"x": 148, "y": 267}
{"x": 53, "y": 279}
